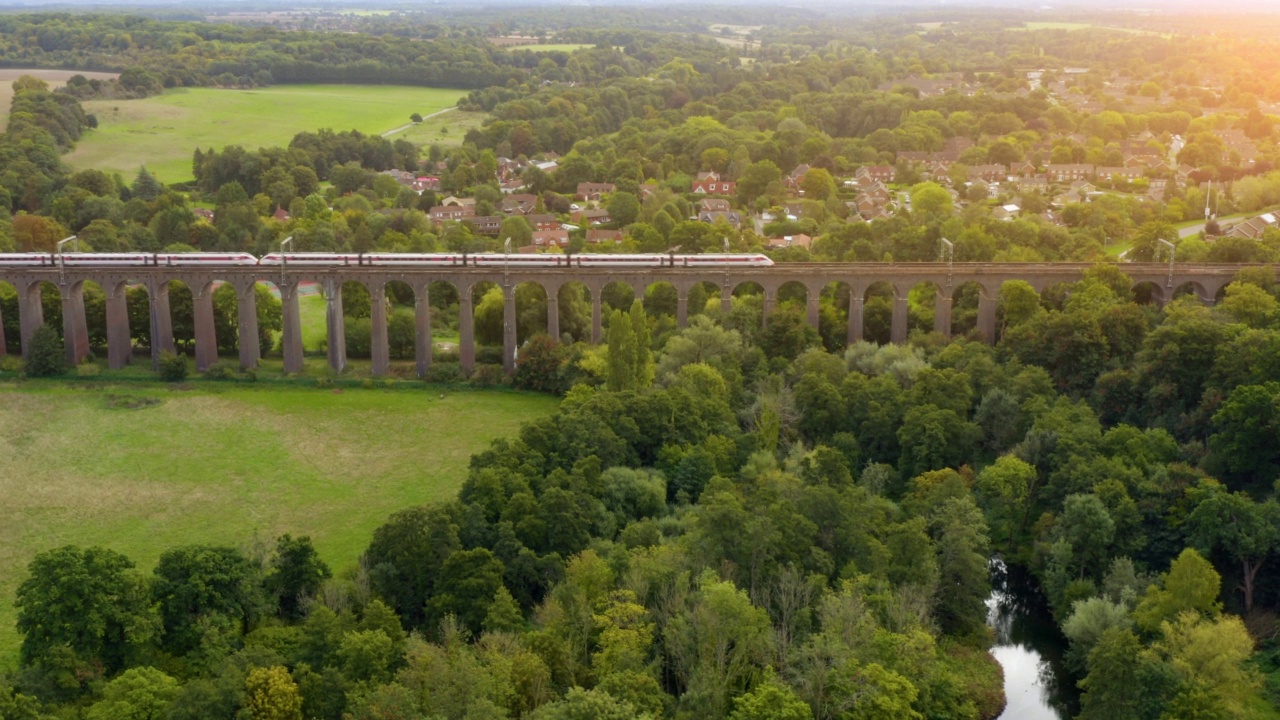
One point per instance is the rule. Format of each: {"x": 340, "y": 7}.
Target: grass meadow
{"x": 229, "y": 464}
{"x": 162, "y": 132}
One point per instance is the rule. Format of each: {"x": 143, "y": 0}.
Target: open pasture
{"x": 162, "y": 132}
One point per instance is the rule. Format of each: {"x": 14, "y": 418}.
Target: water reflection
{"x": 1029, "y": 647}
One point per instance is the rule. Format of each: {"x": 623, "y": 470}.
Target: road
{"x": 1187, "y": 232}
{"x": 402, "y": 128}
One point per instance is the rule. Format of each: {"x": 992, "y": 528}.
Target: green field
{"x": 227, "y": 464}
{"x": 162, "y": 132}
{"x": 444, "y": 129}
{"x": 1084, "y": 26}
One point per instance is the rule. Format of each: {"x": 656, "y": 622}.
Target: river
{"x": 1030, "y": 648}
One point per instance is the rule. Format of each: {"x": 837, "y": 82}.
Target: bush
{"x": 489, "y": 355}
{"x": 324, "y": 382}
{"x": 220, "y": 371}
{"x": 88, "y": 370}
{"x": 359, "y": 337}
{"x": 48, "y": 356}
{"x": 173, "y": 367}
{"x": 488, "y": 374}
{"x": 538, "y": 366}
{"x": 10, "y": 364}
{"x": 444, "y": 373}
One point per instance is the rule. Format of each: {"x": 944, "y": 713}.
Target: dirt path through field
{"x": 402, "y": 128}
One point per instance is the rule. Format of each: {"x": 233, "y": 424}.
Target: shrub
{"x": 10, "y": 364}
{"x": 220, "y": 371}
{"x": 487, "y": 375}
{"x": 444, "y": 373}
{"x": 324, "y": 382}
{"x": 47, "y": 356}
{"x": 489, "y": 355}
{"x": 359, "y": 337}
{"x": 173, "y": 367}
{"x": 88, "y": 370}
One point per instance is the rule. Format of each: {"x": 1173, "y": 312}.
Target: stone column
{"x": 770, "y": 297}
{"x": 422, "y": 329}
{"x": 682, "y": 307}
{"x": 161, "y": 321}
{"x": 553, "y": 312}
{"x": 336, "y": 325}
{"x": 509, "y": 329}
{"x": 379, "y": 348}
{"x": 726, "y": 299}
{"x": 466, "y": 330}
{"x": 75, "y": 329}
{"x": 30, "y": 313}
{"x": 987, "y": 316}
{"x": 206, "y": 337}
{"x": 942, "y": 313}
{"x": 856, "y": 302}
{"x": 247, "y": 326}
{"x": 813, "y": 298}
{"x": 119, "y": 340}
{"x": 4, "y": 350}
{"x": 898, "y": 328}
{"x": 291, "y": 327}
{"x": 596, "y": 333}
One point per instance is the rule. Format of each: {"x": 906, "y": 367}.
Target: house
{"x": 443, "y": 213}
{"x": 1023, "y": 169}
{"x": 794, "y": 210}
{"x": 596, "y": 236}
{"x": 709, "y": 183}
{"x": 594, "y": 192}
{"x": 547, "y": 166}
{"x": 989, "y": 173}
{"x": 1253, "y": 227}
{"x": 1069, "y": 172}
{"x": 485, "y": 225}
{"x": 281, "y": 215}
{"x": 1079, "y": 191}
{"x": 787, "y": 241}
{"x": 1029, "y": 184}
{"x": 591, "y": 217}
{"x": 424, "y": 183}
{"x": 1123, "y": 173}
{"x": 549, "y": 238}
{"x": 713, "y": 205}
{"x": 544, "y": 221}
{"x": 513, "y": 185}
{"x": 203, "y": 213}
{"x": 879, "y": 173}
{"x": 796, "y": 177}
{"x": 1006, "y": 212}
{"x": 732, "y": 217}
{"x": 519, "y": 203}
{"x": 452, "y": 201}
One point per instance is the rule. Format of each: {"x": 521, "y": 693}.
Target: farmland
{"x": 162, "y": 132}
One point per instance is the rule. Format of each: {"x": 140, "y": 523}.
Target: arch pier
{"x": 1154, "y": 280}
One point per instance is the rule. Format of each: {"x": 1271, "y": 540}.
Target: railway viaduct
{"x": 1161, "y": 279}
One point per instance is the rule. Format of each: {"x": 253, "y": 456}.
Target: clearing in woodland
{"x": 162, "y": 132}
{"x": 143, "y": 469}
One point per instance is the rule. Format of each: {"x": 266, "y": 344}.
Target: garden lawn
{"x": 163, "y": 132}
{"x": 229, "y": 465}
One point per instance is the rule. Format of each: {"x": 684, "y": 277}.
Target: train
{"x": 382, "y": 260}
